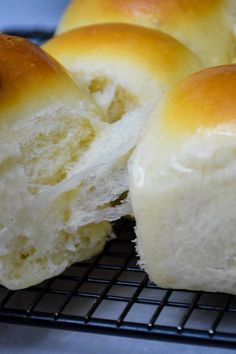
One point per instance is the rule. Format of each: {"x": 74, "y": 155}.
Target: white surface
{"x": 26, "y": 340}
{"x": 29, "y": 340}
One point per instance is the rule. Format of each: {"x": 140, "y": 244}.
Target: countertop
{"x": 29, "y": 340}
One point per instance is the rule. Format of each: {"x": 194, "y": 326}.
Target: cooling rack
{"x": 110, "y": 294}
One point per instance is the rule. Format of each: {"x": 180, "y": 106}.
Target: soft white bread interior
{"x": 183, "y": 185}
{"x": 206, "y": 27}
{"x": 126, "y": 69}
{"x": 47, "y": 124}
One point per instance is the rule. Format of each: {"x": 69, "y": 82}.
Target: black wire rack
{"x": 35, "y": 35}
{"x": 110, "y": 294}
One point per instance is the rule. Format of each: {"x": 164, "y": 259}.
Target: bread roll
{"x": 126, "y": 69}
{"x": 205, "y": 27}
{"x": 47, "y": 123}
{"x": 183, "y": 185}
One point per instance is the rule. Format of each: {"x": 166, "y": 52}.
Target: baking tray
{"x": 110, "y": 294}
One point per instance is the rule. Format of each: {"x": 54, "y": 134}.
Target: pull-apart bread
{"x": 205, "y": 26}
{"x": 63, "y": 161}
{"x": 183, "y": 185}
{"x": 47, "y": 124}
{"x": 126, "y": 69}
{"x": 69, "y": 125}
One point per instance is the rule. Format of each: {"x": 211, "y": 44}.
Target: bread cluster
{"x": 47, "y": 124}
{"x": 116, "y": 115}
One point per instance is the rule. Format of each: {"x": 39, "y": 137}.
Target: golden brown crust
{"x": 162, "y": 8}
{"x": 203, "y": 100}
{"x": 148, "y": 12}
{"x": 205, "y": 27}
{"x": 27, "y": 72}
{"x": 145, "y": 48}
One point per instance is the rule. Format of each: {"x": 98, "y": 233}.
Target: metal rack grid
{"x": 110, "y": 294}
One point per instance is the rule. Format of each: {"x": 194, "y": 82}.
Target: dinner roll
{"x": 183, "y": 185}
{"x": 122, "y": 65}
{"x": 47, "y": 124}
{"x": 206, "y": 27}
{"x": 126, "y": 69}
